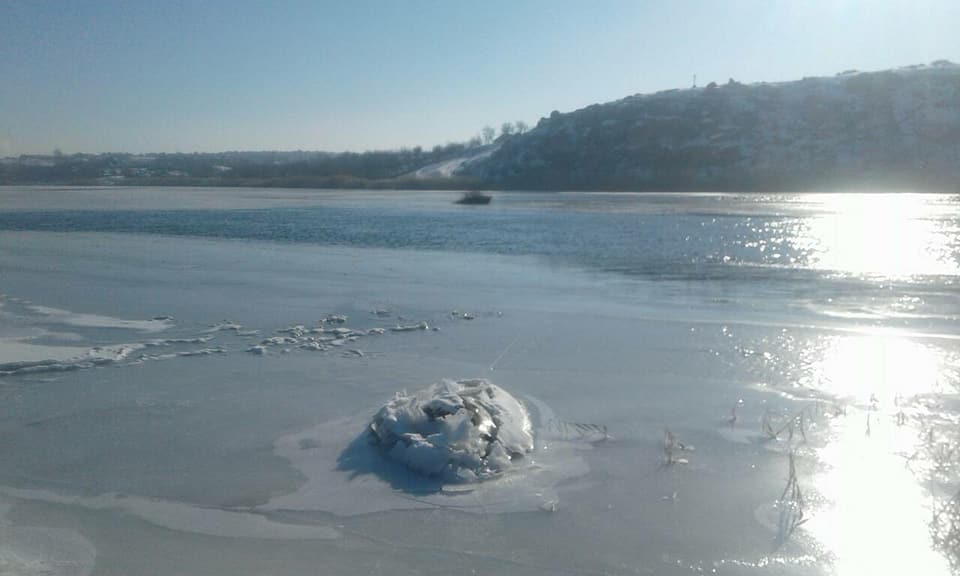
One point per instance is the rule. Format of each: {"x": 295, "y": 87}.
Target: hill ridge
{"x": 892, "y": 128}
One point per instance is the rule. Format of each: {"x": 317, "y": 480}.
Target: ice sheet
{"x": 214, "y": 442}
{"x": 184, "y": 517}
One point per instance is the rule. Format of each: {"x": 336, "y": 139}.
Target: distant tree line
{"x": 376, "y": 168}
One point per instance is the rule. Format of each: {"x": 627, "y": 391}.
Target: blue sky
{"x": 130, "y": 76}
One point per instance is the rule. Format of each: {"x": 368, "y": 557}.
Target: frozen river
{"x": 717, "y": 383}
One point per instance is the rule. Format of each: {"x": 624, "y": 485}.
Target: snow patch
{"x": 449, "y": 168}
{"x": 59, "y": 316}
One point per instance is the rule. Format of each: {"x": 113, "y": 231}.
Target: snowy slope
{"x": 449, "y": 168}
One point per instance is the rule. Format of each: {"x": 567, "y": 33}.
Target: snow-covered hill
{"x": 896, "y": 128}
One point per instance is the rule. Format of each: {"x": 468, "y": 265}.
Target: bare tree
{"x": 521, "y": 126}
{"x": 488, "y": 134}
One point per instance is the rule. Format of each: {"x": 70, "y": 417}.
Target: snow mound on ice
{"x": 349, "y": 473}
{"x": 458, "y": 431}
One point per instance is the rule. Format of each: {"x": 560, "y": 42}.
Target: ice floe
{"x": 170, "y": 341}
{"x": 411, "y": 327}
{"x": 27, "y": 347}
{"x": 59, "y": 362}
{"x": 317, "y": 339}
{"x": 202, "y": 352}
{"x": 225, "y": 326}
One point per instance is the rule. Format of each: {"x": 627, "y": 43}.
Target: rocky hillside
{"x": 891, "y": 129}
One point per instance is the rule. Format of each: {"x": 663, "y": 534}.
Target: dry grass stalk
{"x": 732, "y": 420}
{"x": 794, "y": 425}
{"x": 671, "y": 446}
{"x": 791, "y": 505}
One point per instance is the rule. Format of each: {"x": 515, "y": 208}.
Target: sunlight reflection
{"x": 881, "y": 371}
{"x": 886, "y": 235}
{"x": 875, "y": 520}
{"x": 875, "y": 512}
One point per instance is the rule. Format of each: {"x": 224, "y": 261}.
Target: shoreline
{"x": 468, "y": 184}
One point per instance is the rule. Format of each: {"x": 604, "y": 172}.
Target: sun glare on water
{"x": 879, "y": 371}
{"x": 880, "y": 235}
{"x": 876, "y": 517}
{"x": 875, "y": 512}
{"x": 880, "y": 493}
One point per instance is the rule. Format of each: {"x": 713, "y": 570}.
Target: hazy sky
{"x": 95, "y": 76}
